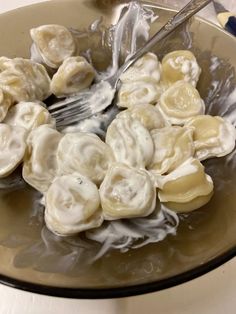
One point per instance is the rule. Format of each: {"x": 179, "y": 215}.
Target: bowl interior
{"x": 29, "y": 252}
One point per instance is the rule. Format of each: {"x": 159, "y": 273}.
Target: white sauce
{"x": 127, "y": 192}
{"x": 186, "y": 168}
{"x": 230, "y": 103}
{"x": 146, "y": 68}
{"x": 28, "y": 115}
{"x": 122, "y": 237}
{"x": 130, "y": 142}
{"x": 135, "y": 233}
{"x": 71, "y": 202}
{"x": 189, "y": 68}
{"x": 136, "y": 19}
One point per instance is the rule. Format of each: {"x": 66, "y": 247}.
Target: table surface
{"x": 213, "y": 293}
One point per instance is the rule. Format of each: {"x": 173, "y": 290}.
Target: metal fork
{"x": 80, "y": 106}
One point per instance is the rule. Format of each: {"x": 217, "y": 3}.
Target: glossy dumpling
{"x": 180, "y": 102}
{"x": 72, "y": 205}
{"x": 12, "y": 148}
{"x": 54, "y": 43}
{"x": 147, "y": 68}
{"x": 40, "y": 164}
{"x": 127, "y": 192}
{"x": 149, "y": 115}
{"x": 180, "y": 65}
{"x": 84, "y": 153}
{"x": 136, "y": 93}
{"x": 186, "y": 188}
{"x": 172, "y": 146}
{"x": 130, "y": 142}
{"x": 24, "y": 79}
{"x": 5, "y": 103}
{"x": 213, "y": 136}
{"x": 73, "y": 75}
{"x": 28, "y": 115}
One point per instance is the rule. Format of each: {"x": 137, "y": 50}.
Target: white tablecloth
{"x": 213, "y": 293}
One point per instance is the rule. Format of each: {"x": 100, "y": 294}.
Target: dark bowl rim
{"x": 120, "y": 292}
{"x": 131, "y": 290}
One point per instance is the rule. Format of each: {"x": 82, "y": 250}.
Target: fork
{"x": 82, "y": 105}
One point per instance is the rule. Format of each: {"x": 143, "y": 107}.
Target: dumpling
{"x": 84, "y": 153}
{"x": 180, "y": 65}
{"x": 186, "y": 188}
{"x": 40, "y": 164}
{"x": 12, "y": 148}
{"x": 24, "y": 79}
{"x": 213, "y": 136}
{"x": 73, "y": 75}
{"x": 28, "y": 115}
{"x": 136, "y": 93}
{"x": 147, "y": 68}
{"x": 5, "y": 103}
{"x": 127, "y": 192}
{"x": 149, "y": 115}
{"x": 54, "y": 43}
{"x": 72, "y": 205}
{"x": 130, "y": 142}
{"x": 180, "y": 102}
{"x": 172, "y": 146}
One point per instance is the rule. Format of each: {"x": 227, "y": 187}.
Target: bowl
{"x": 33, "y": 259}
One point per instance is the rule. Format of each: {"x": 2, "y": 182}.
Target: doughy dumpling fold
{"x": 40, "y": 164}
{"x": 12, "y": 148}
{"x": 24, "y": 79}
{"x": 84, "y": 153}
{"x": 5, "y": 103}
{"x": 54, "y": 43}
{"x": 180, "y": 65}
{"x": 72, "y": 205}
{"x": 130, "y": 142}
{"x": 127, "y": 192}
{"x": 180, "y": 102}
{"x": 186, "y": 188}
{"x": 149, "y": 115}
{"x": 136, "y": 93}
{"x": 73, "y": 75}
{"x": 28, "y": 115}
{"x": 147, "y": 68}
{"x": 213, "y": 136}
{"x": 172, "y": 146}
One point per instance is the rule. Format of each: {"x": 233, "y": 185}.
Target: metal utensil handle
{"x": 183, "y": 15}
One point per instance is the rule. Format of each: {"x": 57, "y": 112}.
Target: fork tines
{"x": 70, "y": 111}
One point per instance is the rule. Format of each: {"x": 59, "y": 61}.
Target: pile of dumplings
{"x": 152, "y": 151}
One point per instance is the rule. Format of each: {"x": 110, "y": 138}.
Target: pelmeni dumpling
{"x": 186, "y": 188}
{"x": 12, "y": 148}
{"x": 172, "y": 146}
{"x": 130, "y": 141}
{"x": 180, "y": 65}
{"x": 5, "y": 103}
{"x": 73, "y": 75}
{"x": 28, "y": 115}
{"x": 149, "y": 115}
{"x": 127, "y": 192}
{"x": 24, "y": 79}
{"x": 40, "y": 164}
{"x": 54, "y": 43}
{"x": 213, "y": 136}
{"x": 72, "y": 205}
{"x": 136, "y": 93}
{"x": 180, "y": 102}
{"x": 147, "y": 68}
{"x": 84, "y": 153}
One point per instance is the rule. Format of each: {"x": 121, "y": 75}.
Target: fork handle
{"x": 183, "y": 15}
